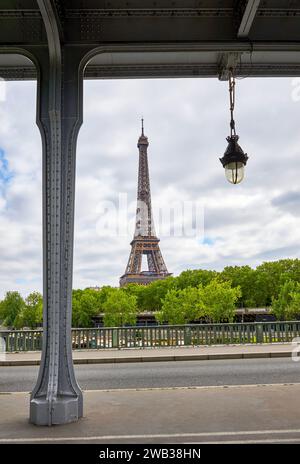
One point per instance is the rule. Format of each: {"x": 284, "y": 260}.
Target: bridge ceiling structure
{"x": 166, "y": 38}
{"x": 61, "y": 42}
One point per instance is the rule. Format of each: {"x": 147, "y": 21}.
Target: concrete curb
{"x": 186, "y": 357}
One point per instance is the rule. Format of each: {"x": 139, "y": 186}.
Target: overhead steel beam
{"x": 175, "y": 60}
{"x": 248, "y": 18}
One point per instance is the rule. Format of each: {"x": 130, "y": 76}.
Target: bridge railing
{"x": 158, "y": 336}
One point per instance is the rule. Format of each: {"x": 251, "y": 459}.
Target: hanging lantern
{"x": 234, "y": 159}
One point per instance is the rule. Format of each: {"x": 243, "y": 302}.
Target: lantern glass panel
{"x": 234, "y": 172}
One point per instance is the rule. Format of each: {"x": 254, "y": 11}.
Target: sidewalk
{"x": 202, "y": 353}
{"x": 239, "y": 414}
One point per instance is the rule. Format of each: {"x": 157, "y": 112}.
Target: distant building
{"x": 147, "y": 318}
{"x": 94, "y": 288}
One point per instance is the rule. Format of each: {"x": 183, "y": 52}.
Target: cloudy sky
{"x": 186, "y": 121}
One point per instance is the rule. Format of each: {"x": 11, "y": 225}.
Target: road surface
{"x": 164, "y": 374}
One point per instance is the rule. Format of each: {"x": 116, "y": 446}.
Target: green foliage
{"x": 11, "y": 308}
{"x": 86, "y": 304}
{"x": 151, "y": 296}
{"x": 273, "y": 275}
{"x": 219, "y": 300}
{"x": 102, "y": 295}
{"x": 261, "y": 286}
{"x": 32, "y": 314}
{"x": 214, "y": 302}
{"x": 293, "y": 311}
{"x": 139, "y": 291}
{"x": 180, "y": 306}
{"x": 120, "y": 309}
{"x": 262, "y": 291}
{"x": 287, "y": 304}
{"x": 245, "y": 278}
{"x": 194, "y": 278}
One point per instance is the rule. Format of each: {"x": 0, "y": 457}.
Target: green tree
{"x": 150, "y": 297}
{"x": 285, "y": 305}
{"x": 219, "y": 300}
{"x": 194, "y": 278}
{"x": 245, "y": 278}
{"x": 273, "y": 274}
{"x": 180, "y": 306}
{"x": 32, "y": 313}
{"x": 85, "y": 306}
{"x": 262, "y": 290}
{"x": 139, "y": 292}
{"x": 120, "y": 309}
{"x": 293, "y": 310}
{"x": 11, "y": 307}
{"x": 102, "y": 295}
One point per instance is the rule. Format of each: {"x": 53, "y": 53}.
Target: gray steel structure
{"x": 145, "y": 241}
{"x": 61, "y": 42}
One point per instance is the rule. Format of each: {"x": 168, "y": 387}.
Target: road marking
{"x": 150, "y": 436}
{"x": 16, "y": 393}
{"x": 195, "y": 387}
{"x": 246, "y": 442}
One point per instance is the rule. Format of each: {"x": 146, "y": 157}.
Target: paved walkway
{"x": 269, "y": 414}
{"x": 159, "y": 354}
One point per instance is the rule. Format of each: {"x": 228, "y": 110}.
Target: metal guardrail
{"x": 162, "y": 335}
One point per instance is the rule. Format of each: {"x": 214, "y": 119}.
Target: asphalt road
{"x": 164, "y": 374}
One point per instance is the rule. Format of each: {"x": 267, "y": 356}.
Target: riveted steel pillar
{"x": 57, "y": 398}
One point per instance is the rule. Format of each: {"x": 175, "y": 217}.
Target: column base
{"x": 63, "y": 410}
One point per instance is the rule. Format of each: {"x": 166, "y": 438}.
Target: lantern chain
{"x": 232, "y": 101}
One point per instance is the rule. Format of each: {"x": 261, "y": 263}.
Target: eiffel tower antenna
{"x": 145, "y": 241}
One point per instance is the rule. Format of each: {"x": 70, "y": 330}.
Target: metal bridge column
{"x": 57, "y": 398}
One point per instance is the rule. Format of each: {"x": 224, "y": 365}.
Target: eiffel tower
{"x": 144, "y": 241}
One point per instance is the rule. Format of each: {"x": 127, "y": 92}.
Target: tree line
{"x": 208, "y": 296}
